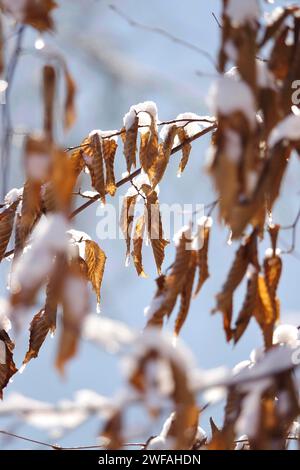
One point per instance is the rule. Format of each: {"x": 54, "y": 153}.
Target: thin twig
{"x": 162, "y": 32}
{"x": 162, "y": 123}
{"x": 292, "y": 227}
{"x": 138, "y": 171}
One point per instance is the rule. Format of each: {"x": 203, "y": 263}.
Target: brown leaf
{"x": 70, "y": 112}
{"x": 49, "y": 82}
{"x": 149, "y": 149}
{"x": 109, "y": 147}
{"x": 7, "y": 217}
{"x": 137, "y": 245}
{"x": 237, "y": 272}
{"x": 75, "y": 301}
{"x": 154, "y": 226}
{"x": 186, "y": 149}
{"x": 7, "y": 365}
{"x": 248, "y": 307}
{"x": 63, "y": 179}
{"x": 36, "y": 13}
{"x": 170, "y": 286}
{"x": 95, "y": 259}
{"x": 186, "y": 294}
{"x": 112, "y": 431}
{"x": 98, "y": 170}
{"x": 130, "y": 144}
{"x": 45, "y": 320}
{"x": 126, "y": 220}
{"x": 159, "y": 166}
{"x": 202, "y": 257}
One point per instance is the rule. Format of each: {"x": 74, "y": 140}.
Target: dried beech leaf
{"x": 7, "y": 217}
{"x": 44, "y": 321}
{"x": 202, "y": 259}
{"x": 169, "y": 287}
{"x": 98, "y": 170}
{"x": 109, "y": 148}
{"x": 154, "y": 226}
{"x": 186, "y": 294}
{"x": 149, "y": 149}
{"x": 32, "y": 12}
{"x": 112, "y": 431}
{"x": 63, "y": 179}
{"x": 243, "y": 257}
{"x": 49, "y": 96}
{"x": 138, "y": 237}
{"x": 70, "y": 112}
{"x": 130, "y": 144}
{"x": 126, "y": 220}
{"x": 95, "y": 259}
{"x": 248, "y": 307}
{"x": 7, "y": 365}
{"x": 186, "y": 149}
{"x": 75, "y": 301}
{"x": 159, "y": 166}
{"x": 39, "y": 328}
{"x": 183, "y": 428}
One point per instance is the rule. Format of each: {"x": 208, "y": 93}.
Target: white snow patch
{"x": 110, "y": 334}
{"x": 228, "y": 95}
{"x": 145, "y": 112}
{"x": 243, "y": 12}
{"x": 13, "y": 195}
{"x": 286, "y": 334}
{"x": 288, "y": 128}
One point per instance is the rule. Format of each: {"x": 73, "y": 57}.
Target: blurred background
{"x": 115, "y": 65}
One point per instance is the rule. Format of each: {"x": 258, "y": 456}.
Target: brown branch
{"x": 162, "y": 123}
{"x": 138, "y": 171}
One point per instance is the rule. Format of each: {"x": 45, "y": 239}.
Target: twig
{"x": 162, "y": 123}
{"x": 34, "y": 441}
{"x": 162, "y": 32}
{"x": 217, "y": 21}
{"x": 292, "y": 227}
{"x": 138, "y": 171}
